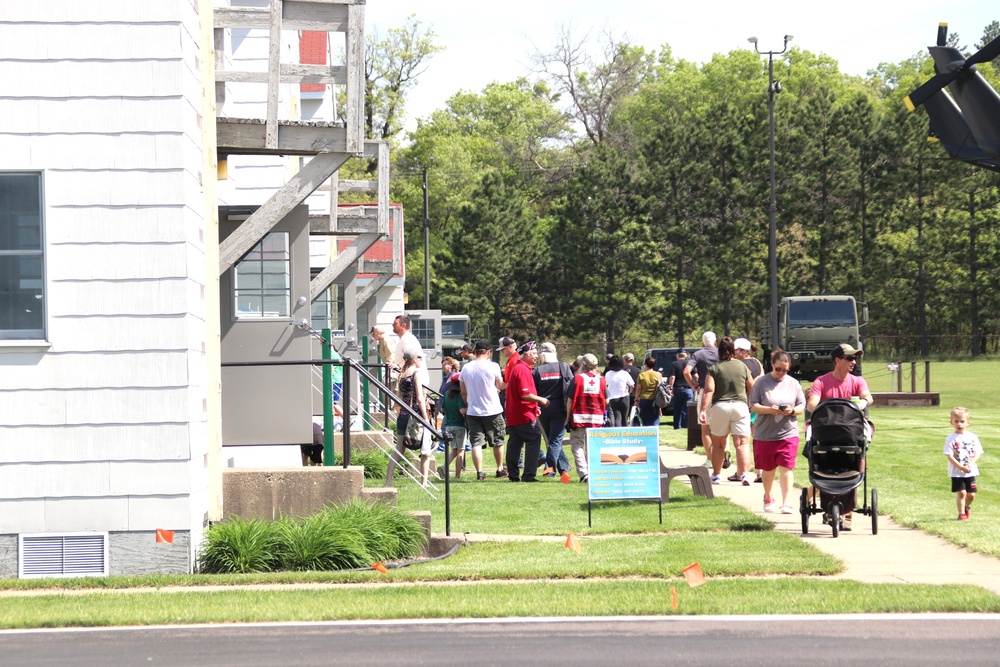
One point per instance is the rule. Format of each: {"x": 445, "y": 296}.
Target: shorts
{"x": 963, "y": 484}
{"x": 456, "y": 435}
{"x": 486, "y": 431}
{"x": 314, "y": 452}
{"x": 772, "y": 454}
{"x": 729, "y": 418}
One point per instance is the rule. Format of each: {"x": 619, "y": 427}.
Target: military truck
{"x": 810, "y": 327}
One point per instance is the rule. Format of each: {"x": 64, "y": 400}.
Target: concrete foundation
{"x": 271, "y": 494}
{"x": 140, "y": 553}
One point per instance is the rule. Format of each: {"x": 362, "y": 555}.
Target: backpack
{"x": 664, "y": 394}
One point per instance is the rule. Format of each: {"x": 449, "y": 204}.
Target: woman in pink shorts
{"x": 778, "y": 400}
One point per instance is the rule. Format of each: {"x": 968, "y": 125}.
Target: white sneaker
{"x": 716, "y": 479}
{"x": 747, "y": 479}
{"x": 769, "y": 506}
{"x": 787, "y": 509}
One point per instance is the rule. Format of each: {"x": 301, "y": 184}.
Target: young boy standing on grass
{"x": 963, "y": 450}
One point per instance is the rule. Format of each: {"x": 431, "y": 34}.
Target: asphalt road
{"x": 929, "y": 639}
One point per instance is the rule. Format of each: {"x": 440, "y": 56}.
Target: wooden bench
{"x": 701, "y": 480}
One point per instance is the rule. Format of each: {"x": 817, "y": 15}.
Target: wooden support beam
{"x": 291, "y": 73}
{"x": 295, "y": 15}
{"x": 293, "y": 193}
{"x": 383, "y": 187}
{"x": 273, "y": 75}
{"x": 241, "y": 136}
{"x": 345, "y": 261}
{"x": 355, "y": 56}
{"x": 220, "y": 63}
{"x": 371, "y": 289}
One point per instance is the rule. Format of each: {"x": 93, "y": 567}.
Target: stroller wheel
{"x": 874, "y": 511}
{"x": 835, "y": 518}
{"x": 804, "y": 511}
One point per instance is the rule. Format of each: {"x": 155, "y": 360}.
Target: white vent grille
{"x": 62, "y": 555}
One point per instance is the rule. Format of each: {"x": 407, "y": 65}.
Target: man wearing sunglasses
{"x": 840, "y": 383}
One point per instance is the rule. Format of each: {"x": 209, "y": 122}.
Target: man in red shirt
{"x": 585, "y": 409}
{"x": 521, "y": 412}
{"x": 841, "y": 383}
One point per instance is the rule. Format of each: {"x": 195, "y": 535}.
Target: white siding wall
{"x": 106, "y": 428}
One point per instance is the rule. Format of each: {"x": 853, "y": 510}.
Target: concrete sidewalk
{"x": 895, "y": 555}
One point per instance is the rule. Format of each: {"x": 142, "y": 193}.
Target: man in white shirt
{"x": 408, "y": 344}
{"x": 481, "y": 383}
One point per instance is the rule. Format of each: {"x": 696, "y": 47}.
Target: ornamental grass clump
{"x": 311, "y": 544}
{"x": 336, "y": 538}
{"x": 388, "y": 533}
{"x": 240, "y": 546}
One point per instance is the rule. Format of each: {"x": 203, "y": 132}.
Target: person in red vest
{"x": 521, "y": 412}
{"x": 585, "y": 409}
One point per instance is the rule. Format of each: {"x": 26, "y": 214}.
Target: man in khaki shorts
{"x": 725, "y": 408}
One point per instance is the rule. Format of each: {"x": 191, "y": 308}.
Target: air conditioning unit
{"x": 62, "y": 555}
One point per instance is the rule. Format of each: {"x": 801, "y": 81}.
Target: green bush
{"x": 336, "y": 538}
{"x": 388, "y": 533}
{"x": 375, "y": 463}
{"x": 240, "y": 546}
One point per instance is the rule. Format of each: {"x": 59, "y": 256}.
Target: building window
{"x": 328, "y": 309}
{"x": 263, "y": 280}
{"x": 423, "y": 329}
{"x": 22, "y": 274}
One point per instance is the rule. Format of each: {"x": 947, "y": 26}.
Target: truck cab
{"x": 810, "y": 327}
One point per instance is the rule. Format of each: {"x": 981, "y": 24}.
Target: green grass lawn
{"x": 629, "y": 561}
{"x": 907, "y": 465}
{"x": 492, "y": 600}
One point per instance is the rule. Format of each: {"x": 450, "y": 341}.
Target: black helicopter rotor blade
{"x": 942, "y": 79}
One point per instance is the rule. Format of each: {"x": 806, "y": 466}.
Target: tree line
{"x": 626, "y": 196}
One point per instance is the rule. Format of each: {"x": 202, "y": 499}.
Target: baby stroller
{"x": 836, "y": 450}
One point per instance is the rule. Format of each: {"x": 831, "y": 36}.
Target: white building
{"x": 111, "y": 387}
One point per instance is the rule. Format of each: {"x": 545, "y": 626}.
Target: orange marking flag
{"x": 165, "y": 536}
{"x": 564, "y": 478}
{"x": 573, "y": 543}
{"x": 381, "y": 569}
{"x": 673, "y": 598}
{"x": 693, "y": 575}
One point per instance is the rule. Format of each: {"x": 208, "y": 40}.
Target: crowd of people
{"x": 532, "y": 397}
{"x": 536, "y": 397}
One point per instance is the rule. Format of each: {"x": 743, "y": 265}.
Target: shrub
{"x": 240, "y": 546}
{"x": 336, "y": 538}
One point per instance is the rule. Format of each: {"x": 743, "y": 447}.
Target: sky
{"x": 493, "y": 41}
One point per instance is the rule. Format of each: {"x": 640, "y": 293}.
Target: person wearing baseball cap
{"x": 841, "y": 382}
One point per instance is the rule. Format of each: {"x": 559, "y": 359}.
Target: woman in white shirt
{"x": 620, "y": 384}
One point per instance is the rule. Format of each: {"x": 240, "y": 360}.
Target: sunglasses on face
{"x": 780, "y": 370}
{"x": 851, "y": 358}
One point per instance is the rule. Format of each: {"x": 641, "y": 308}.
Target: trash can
{"x": 694, "y": 428}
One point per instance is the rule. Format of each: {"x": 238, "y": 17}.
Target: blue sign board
{"x": 624, "y": 462}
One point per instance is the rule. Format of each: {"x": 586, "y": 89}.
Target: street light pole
{"x": 773, "y": 87}
{"x": 427, "y": 247}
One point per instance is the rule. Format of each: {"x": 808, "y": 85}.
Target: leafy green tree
{"x": 604, "y": 268}
{"x": 392, "y": 66}
{"x": 494, "y": 268}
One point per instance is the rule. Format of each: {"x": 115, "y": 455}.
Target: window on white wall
{"x": 263, "y": 280}
{"x": 22, "y": 275}
{"x": 328, "y": 309}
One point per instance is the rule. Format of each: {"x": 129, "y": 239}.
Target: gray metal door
{"x": 262, "y": 297}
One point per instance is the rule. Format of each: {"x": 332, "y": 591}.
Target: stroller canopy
{"x": 838, "y": 421}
